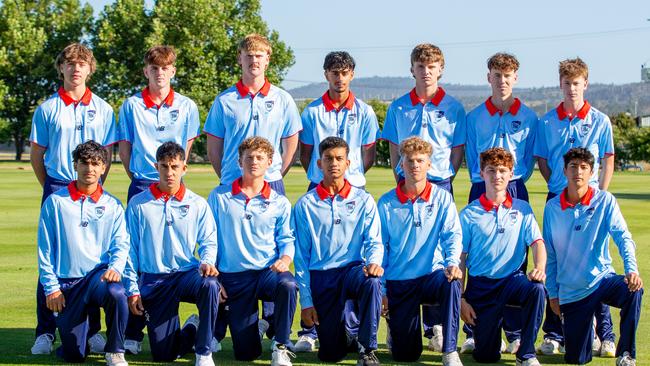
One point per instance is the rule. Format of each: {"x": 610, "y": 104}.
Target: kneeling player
{"x": 82, "y": 249}
{"x": 422, "y": 235}
{"x": 166, "y": 223}
{"x": 338, "y": 257}
{"x": 256, "y": 247}
{"x": 577, "y": 227}
{"x": 496, "y": 232}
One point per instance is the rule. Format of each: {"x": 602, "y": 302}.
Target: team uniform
{"x": 236, "y": 115}
{"x": 580, "y": 273}
{"x": 335, "y": 237}
{"x": 59, "y": 125}
{"x": 495, "y": 239}
{"x": 145, "y": 126}
{"x": 355, "y": 122}
{"x": 80, "y": 237}
{"x": 162, "y": 268}
{"x": 422, "y": 237}
{"x": 254, "y": 232}
{"x": 514, "y": 130}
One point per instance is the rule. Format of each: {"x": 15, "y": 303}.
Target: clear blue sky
{"x": 613, "y": 37}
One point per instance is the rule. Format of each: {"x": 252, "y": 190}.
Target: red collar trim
{"x": 148, "y": 102}
{"x": 402, "y": 197}
{"x": 323, "y": 193}
{"x": 489, "y": 205}
{"x": 265, "y": 192}
{"x": 492, "y": 109}
{"x": 75, "y": 194}
{"x": 437, "y": 98}
{"x": 157, "y": 193}
{"x": 67, "y": 99}
{"x": 582, "y": 113}
{"x": 329, "y": 105}
{"x": 585, "y": 201}
{"x": 244, "y": 91}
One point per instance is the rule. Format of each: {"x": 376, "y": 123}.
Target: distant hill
{"x": 609, "y": 98}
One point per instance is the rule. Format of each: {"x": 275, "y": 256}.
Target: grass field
{"x": 19, "y": 207}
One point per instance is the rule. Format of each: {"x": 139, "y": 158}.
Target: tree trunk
{"x": 19, "y": 145}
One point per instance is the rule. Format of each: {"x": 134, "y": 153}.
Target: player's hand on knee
{"x": 135, "y": 305}
{"x": 453, "y": 273}
{"x": 634, "y": 281}
{"x": 374, "y": 270}
{"x": 208, "y": 270}
{"x": 555, "y": 306}
{"x": 309, "y": 316}
{"x": 55, "y": 301}
{"x": 223, "y": 296}
{"x": 537, "y": 275}
{"x": 281, "y": 265}
{"x": 467, "y": 312}
{"x": 384, "y": 306}
{"x": 111, "y": 275}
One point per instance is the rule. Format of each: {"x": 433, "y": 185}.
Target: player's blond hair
{"x": 75, "y": 52}
{"x": 254, "y": 42}
{"x": 256, "y": 143}
{"x": 415, "y": 145}
{"x": 497, "y": 156}
{"x": 573, "y": 68}
{"x": 426, "y": 52}
{"x": 160, "y": 56}
{"x": 503, "y": 62}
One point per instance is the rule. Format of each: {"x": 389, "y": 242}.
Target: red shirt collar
{"x": 67, "y": 99}
{"x": 402, "y": 197}
{"x": 489, "y": 205}
{"x": 157, "y": 193}
{"x": 148, "y": 102}
{"x": 75, "y": 194}
{"x": 244, "y": 91}
{"x": 582, "y": 113}
{"x": 585, "y": 201}
{"x": 323, "y": 193}
{"x": 492, "y": 109}
{"x": 329, "y": 106}
{"x": 265, "y": 192}
{"x": 437, "y": 98}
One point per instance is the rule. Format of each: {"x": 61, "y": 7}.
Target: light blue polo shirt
{"x": 146, "y": 126}
{"x": 253, "y": 232}
{"x": 558, "y": 133}
{"x": 166, "y": 232}
{"x": 496, "y": 238}
{"x": 577, "y": 244}
{"x": 236, "y": 115}
{"x": 355, "y": 122}
{"x": 441, "y": 122}
{"x": 420, "y": 235}
{"x": 77, "y": 233}
{"x": 514, "y": 130}
{"x": 334, "y": 231}
{"x": 60, "y": 124}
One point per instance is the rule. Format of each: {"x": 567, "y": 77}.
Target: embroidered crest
{"x": 264, "y": 205}
{"x": 174, "y": 115}
{"x": 91, "y": 114}
{"x": 429, "y": 209}
{"x": 584, "y": 129}
{"x": 515, "y": 125}
{"x": 99, "y": 211}
{"x": 269, "y": 105}
{"x": 352, "y": 118}
{"x": 184, "y": 209}
{"x": 513, "y": 217}
{"x": 350, "y": 206}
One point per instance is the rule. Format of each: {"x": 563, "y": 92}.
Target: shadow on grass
{"x": 633, "y": 196}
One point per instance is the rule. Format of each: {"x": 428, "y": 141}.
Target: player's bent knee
{"x": 116, "y": 291}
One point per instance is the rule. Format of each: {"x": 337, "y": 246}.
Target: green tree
{"x": 383, "y": 155}
{"x": 32, "y": 33}
{"x": 624, "y": 130}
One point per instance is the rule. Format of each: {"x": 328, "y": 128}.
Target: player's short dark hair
{"x": 581, "y": 154}
{"x": 333, "y": 142}
{"x": 170, "y": 150}
{"x": 338, "y": 60}
{"x": 89, "y": 151}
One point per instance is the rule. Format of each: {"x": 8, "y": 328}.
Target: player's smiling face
{"x": 171, "y": 170}
{"x": 573, "y": 88}
{"x": 89, "y": 172}
{"x": 159, "y": 76}
{"x": 502, "y": 82}
{"x": 578, "y": 173}
{"x": 254, "y": 163}
{"x": 339, "y": 80}
{"x": 415, "y": 166}
{"x": 334, "y": 163}
{"x": 426, "y": 73}
{"x": 75, "y": 73}
{"x": 496, "y": 176}
{"x": 254, "y": 63}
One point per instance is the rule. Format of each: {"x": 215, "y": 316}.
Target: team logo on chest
{"x": 513, "y": 217}
{"x": 99, "y": 211}
{"x": 264, "y": 205}
{"x": 91, "y": 114}
{"x": 429, "y": 209}
{"x": 173, "y": 115}
{"x": 352, "y": 118}
{"x": 183, "y": 210}
{"x": 269, "y": 105}
{"x": 350, "y": 206}
{"x": 515, "y": 125}
{"x": 584, "y": 129}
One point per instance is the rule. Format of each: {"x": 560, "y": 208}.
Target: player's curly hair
{"x": 256, "y": 143}
{"x": 255, "y": 42}
{"x": 426, "y": 52}
{"x": 333, "y": 142}
{"x": 170, "y": 150}
{"x": 89, "y": 151}
{"x": 497, "y": 156}
{"x": 160, "y": 56}
{"x": 338, "y": 60}
{"x": 581, "y": 154}
{"x": 503, "y": 62}
{"x": 75, "y": 52}
{"x": 415, "y": 145}
{"x": 573, "y": 68}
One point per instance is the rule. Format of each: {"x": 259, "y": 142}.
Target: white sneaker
{"x": 97, "y": 343}
{"x": 281, "y": 356}
{"x": 451, "y": 359}
{"x": 192, "y": 320}
{"x": 132, "y": 346}
{"x": 625, "y": 360}
{"x": 503, "y": 347}
{"x": 435, "y": 343}
{"x": 115, "y": 359}
{"x": 215, "y": 346}
{"x": 529, "y": 362}
{"x": 608, "y": 349}
{"x": 305, "y": 343}
{"x": 513, "y": 346}
{"x": 595, "y": 346}
{"x": 43, "y": 344}
{"x": 468, "y": 346}
{"x": 262, "y": 327}
{"x": 549, "y": 347}
{"x": 204, "y": 360}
